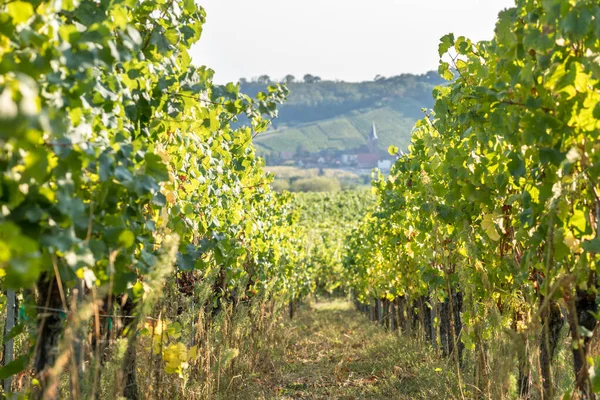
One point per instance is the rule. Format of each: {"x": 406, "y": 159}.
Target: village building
{"x": 369, "y": 159}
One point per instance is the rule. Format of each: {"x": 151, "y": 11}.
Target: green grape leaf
{"x": 489, "y": 227}
{"x": 577, "y": 22}
{"x": 592, "y": 246}
{"x": 156, "y": 168}
{"x": 446, "y": 43}
{"x": 19, "y": 11}
{"x": 14, "y": 367}
{"x": 126, "y": 239}
{"x": 578, "y": 221}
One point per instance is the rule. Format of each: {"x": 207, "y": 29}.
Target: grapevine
{"x": 121, "y": 165}
{"x": 496, "y": 205}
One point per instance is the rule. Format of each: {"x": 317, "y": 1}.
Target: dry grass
{"x": 333, "y": 352}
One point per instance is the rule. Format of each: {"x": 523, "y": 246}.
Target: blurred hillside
{"x": 335, "y": 118}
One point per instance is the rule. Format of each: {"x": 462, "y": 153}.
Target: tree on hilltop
{"x": 308, "y": 78}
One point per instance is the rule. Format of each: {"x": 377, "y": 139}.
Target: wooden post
{"x": 9, "y": 346}
{"x": 433, "y": 315}
{"x": 386, "y": 313}
{"x": 373, "y": 310}
{"x": 78, "y": 297}
{"x": 392, "y": 315}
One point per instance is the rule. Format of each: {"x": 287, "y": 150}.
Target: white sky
{"x": 351, "y": 40}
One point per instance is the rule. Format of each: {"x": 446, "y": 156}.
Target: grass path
{"x": 331, "y": 351}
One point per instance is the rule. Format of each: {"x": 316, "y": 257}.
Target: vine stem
{"x": 454, "y": 338}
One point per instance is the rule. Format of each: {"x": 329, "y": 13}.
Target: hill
{"x": 337, "y": 116}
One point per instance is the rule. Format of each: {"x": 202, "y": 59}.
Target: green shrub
{"x": 279, "y": 185}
